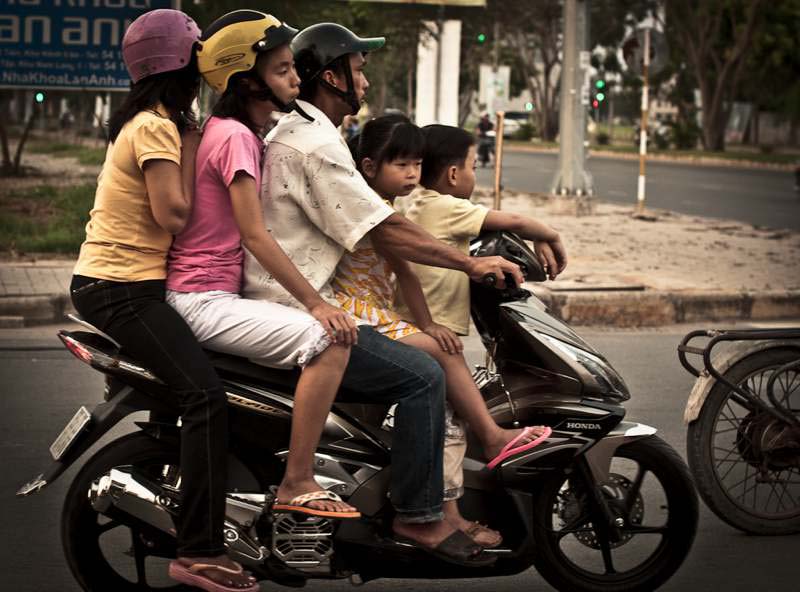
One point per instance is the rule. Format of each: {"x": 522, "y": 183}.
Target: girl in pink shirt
{"x": 205, "y": 261}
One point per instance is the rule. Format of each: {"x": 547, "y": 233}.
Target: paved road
{"x": 42, "y": 389}
{"x": 760, "y": 197}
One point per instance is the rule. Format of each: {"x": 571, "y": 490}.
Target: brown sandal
{"x": 484, "y": 536}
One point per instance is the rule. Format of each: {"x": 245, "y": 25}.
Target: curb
{"x": 624, "y": 309}
{"x": 34, "y": 310}
{"x": 708, "y": 161}
{"x": 653, "y": 309}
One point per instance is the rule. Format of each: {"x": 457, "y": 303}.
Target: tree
{"x": 770, "y": 79}
{"x": 716, "y": 35}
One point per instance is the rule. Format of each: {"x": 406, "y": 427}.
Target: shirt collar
{"x": 316, "y": 114}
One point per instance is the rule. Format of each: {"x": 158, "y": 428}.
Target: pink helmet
{"x": 161, "y": 40}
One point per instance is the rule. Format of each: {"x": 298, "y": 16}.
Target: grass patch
{"x": 85, "y": 155}
{"x": 740, "y": 155}
{"x": 45, "y": 219}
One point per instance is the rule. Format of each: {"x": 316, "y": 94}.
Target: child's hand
{"x": 446, "y": 339}
{"x": 340, "y": 325}
{"x": 552, "y": 256}
{"x": 561, "y": 254}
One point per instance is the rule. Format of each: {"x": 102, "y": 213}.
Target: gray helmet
{"x": 319, "y": 46}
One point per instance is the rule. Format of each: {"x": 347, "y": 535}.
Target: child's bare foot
{"x": 502, "y": 437}
{"x": 204, "y": 572}
{"x": 288, "y": 492}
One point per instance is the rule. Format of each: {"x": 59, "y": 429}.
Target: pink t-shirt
{"x": 208, "y": 254}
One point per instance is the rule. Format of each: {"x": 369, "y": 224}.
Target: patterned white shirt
{"x": 315, "y": 203}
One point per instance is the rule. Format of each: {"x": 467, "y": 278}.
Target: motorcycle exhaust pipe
{"x": 137, "y": 496}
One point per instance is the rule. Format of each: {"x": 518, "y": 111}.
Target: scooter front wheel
{"x": 743, "y": 472}
{"x": 652, "y": 499}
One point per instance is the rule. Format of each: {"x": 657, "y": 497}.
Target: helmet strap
{"x": 265, "y": 93}
{"x": 349, "y": 95}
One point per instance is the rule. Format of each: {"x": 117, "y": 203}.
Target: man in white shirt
{"x": 316, "y": 205}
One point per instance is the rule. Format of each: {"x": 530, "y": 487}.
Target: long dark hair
{"x": 387, "y": 138}
{"x": 233, "y": 101}
{"x": 175, "y": 90}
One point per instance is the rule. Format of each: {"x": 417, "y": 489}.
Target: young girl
{"x": 388, "y": 155}
{"x": 205, "y": 262}
{"x": 144, "y": 195}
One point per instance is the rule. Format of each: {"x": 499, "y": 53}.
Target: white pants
{"x": 267, "y": 333}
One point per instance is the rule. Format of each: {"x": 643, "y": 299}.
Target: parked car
{"x": 514, "y": 120}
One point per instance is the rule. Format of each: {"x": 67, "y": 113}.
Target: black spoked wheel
{"x": 651, "y": 496}
{"x": 746, "y": 461}
{"x": 107, "y": 551}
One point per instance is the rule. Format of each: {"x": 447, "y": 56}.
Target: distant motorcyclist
{"x": 485, "y": 139}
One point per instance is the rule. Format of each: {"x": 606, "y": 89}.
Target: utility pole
{"x": 571, "y": 177}
{"x": 640, "y": 189}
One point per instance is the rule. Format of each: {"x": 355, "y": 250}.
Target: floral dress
{"x": 364, "y": 286}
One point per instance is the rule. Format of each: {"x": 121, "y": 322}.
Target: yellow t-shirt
{"x": 453, "y": 221}
{"x": 123, "y": 241}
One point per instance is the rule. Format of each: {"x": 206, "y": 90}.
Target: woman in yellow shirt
{"x": 143, "y": 198}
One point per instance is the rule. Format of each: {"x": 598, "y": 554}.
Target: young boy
{"x": 442, "y": 207}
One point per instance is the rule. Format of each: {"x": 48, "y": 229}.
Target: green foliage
{"x": 525, "y": 132}
{"x": 85, "y": 155}
{"x": 685, "y": 134}
{"x": 45, "y": 219}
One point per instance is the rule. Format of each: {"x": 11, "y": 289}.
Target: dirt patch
{"x": 666, "y": 251}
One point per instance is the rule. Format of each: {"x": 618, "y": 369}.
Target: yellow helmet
{"x": 232, "y": 43}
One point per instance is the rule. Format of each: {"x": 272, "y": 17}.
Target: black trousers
{"x": 137, "y": 316}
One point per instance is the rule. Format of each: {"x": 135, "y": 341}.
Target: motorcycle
{"x": 743, "y": 436}
{"x": 603, "y": 504}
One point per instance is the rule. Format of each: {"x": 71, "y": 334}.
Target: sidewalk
{"x": 625, "y": 272}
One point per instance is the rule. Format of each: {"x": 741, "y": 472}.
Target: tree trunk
{"x": 410, "y": 92}
{"x": 24, "y": 138}
{"x": 755, "y": 127}
{"x": 6, "y": 164}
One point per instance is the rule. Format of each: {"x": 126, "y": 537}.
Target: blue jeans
{"x": 385, "y": 371}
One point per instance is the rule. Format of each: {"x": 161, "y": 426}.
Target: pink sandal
{"x": 510, "y": 450}
{"x": 191, "y": 575}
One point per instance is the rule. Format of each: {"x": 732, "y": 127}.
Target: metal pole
{"x": 498, "y": 157}
{"x": 571, "y": 177}
{"x": 640, "y": 193}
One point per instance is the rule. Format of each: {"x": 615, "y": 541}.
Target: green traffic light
{"x": 528, "y": 106}
{"x": 481, "y": 37}
{"x": 39, "y": 97}
{"x": 600, "y": 84}
{"x": 600, "y": 96}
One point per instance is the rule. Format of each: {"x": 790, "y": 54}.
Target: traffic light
{"x": 481, "y": 37}
{"x": 528, "y": 106}
{"x": 600, "y": 84}
{"x": 600, "y": 96}
{"x": 39, "y": 97}
{"x": 595, "y": 103}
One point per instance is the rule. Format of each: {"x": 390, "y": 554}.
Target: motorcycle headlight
{"x": 606, "y": 377}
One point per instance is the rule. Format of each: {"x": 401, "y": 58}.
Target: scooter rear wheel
{"x": 650, "y": 491}
{"x": 107, "y": 552}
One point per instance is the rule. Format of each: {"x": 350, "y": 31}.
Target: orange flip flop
{"x": 298, "y": 504}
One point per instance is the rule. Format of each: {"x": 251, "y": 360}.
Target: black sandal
{"x": 458, "y": 548}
